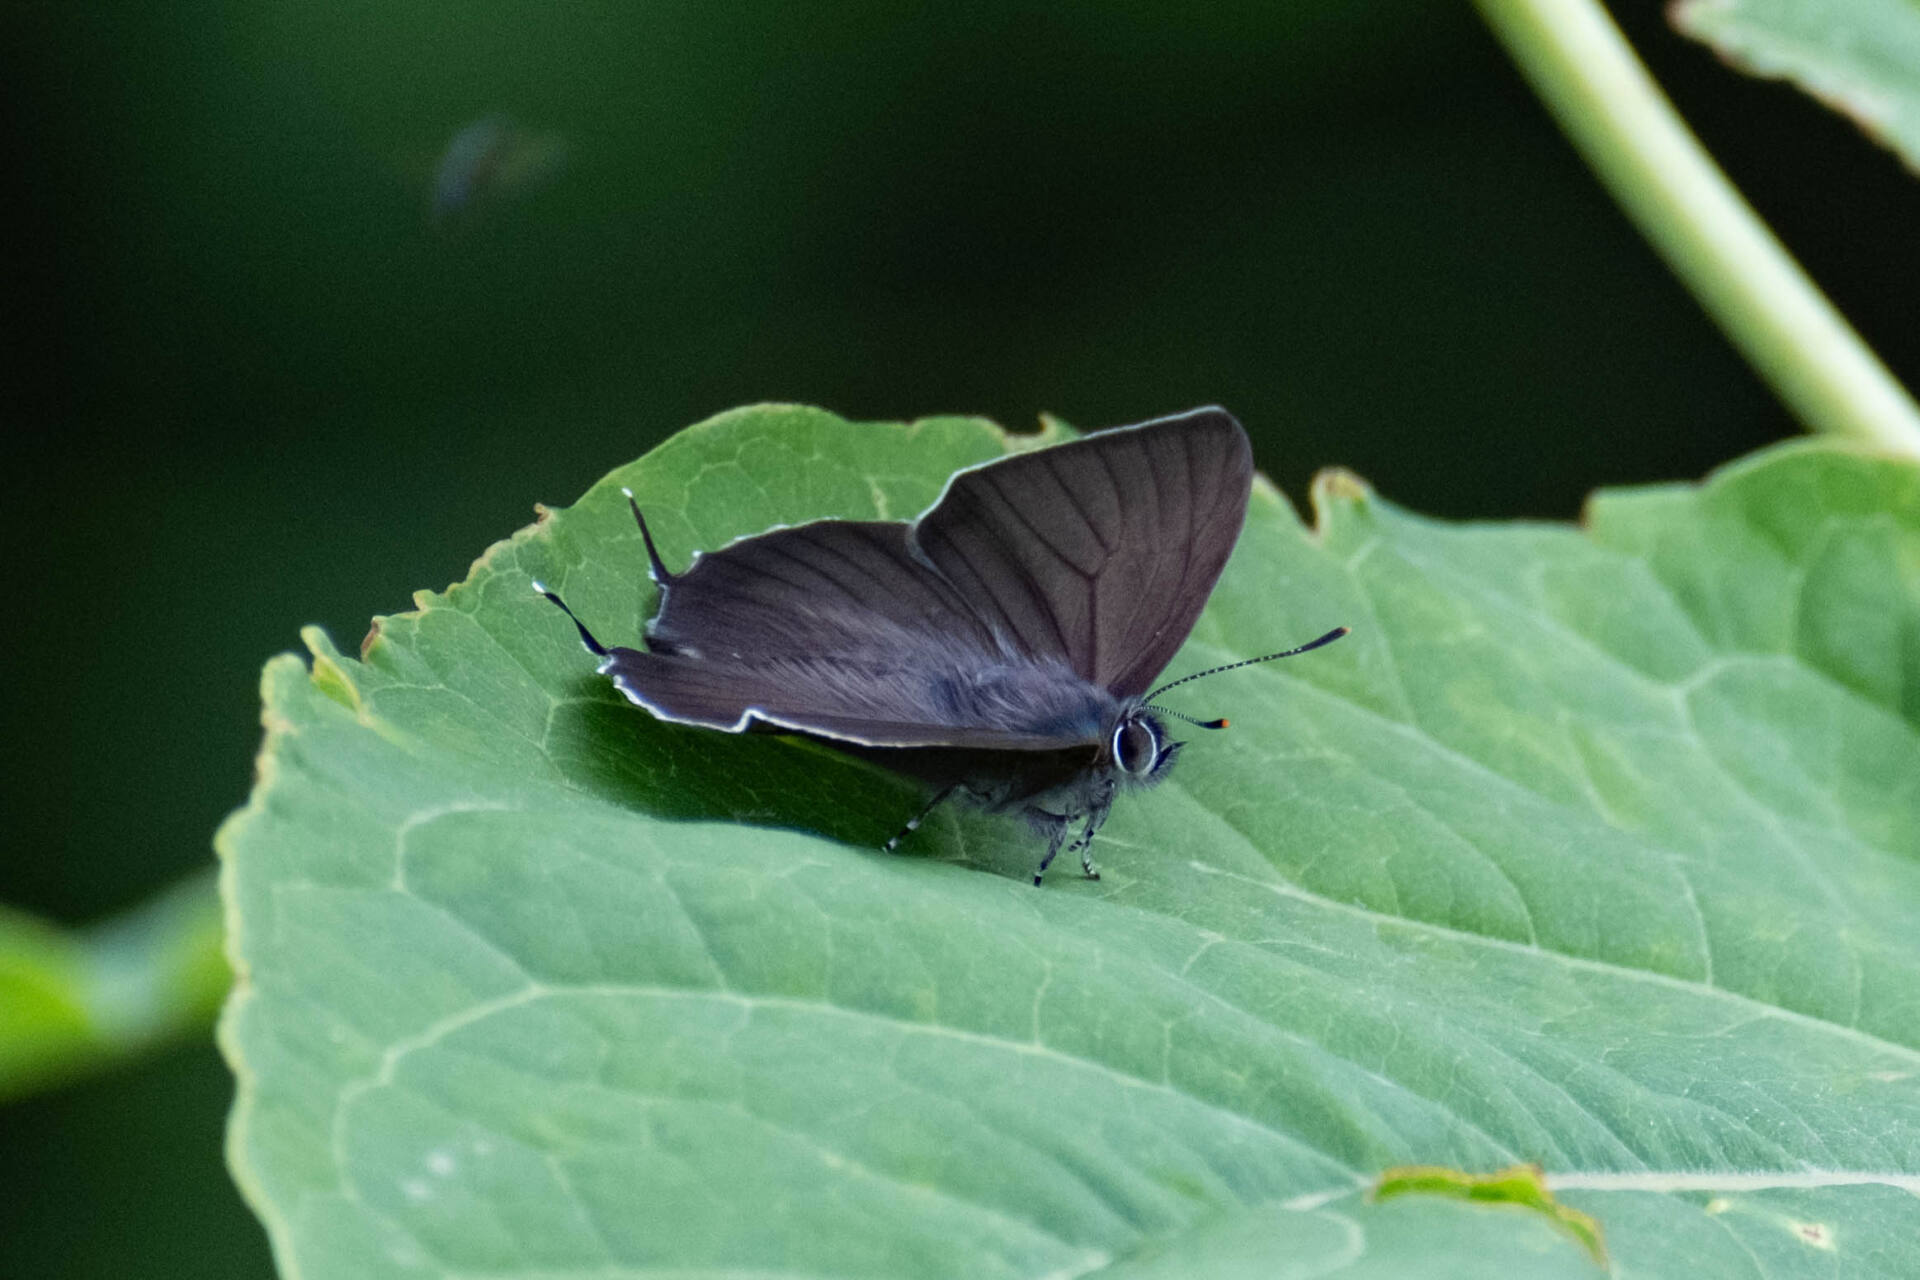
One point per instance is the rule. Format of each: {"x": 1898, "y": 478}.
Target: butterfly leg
{"x": 1085, "y": 845}
{"x": 917, "y": 819}
{"x": 1056, "y": 828}
{"x": 1097, "y": 815}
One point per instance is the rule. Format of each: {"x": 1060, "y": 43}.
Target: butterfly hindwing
{"x": 836, "y": 628}
{"x": 848, "y": 589}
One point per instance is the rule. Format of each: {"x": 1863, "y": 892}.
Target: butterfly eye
{"x": 1135, "y": 746}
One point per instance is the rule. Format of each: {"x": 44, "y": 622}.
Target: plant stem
{"x": 1583, "y": 68}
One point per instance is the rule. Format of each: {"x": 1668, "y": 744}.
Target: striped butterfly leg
{"x": 1055, "y": 825}
{"x": 1096, "y": 816}
{"x": 914, "y": 822}
{"x": 1083, "y": 845}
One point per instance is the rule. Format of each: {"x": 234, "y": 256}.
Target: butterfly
{"x": 1001, "y": 647}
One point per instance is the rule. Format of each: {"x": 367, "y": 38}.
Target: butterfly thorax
{"x": 1045, "y": 698}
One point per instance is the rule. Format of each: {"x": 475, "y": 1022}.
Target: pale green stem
{"x": 1583, "y": 68}
{"x": 73, "y": 1001}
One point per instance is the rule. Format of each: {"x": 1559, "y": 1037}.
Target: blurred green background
{"x": 263, "y": 387}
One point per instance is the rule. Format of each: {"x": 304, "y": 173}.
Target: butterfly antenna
{"x": 594, "y": 647}
{"x": 657, "y": 567}
{"x": 1194, "y": 720}
{"x": 1309, "y": 646}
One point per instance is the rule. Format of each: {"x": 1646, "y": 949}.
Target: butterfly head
{"x": 1140, "y": 747}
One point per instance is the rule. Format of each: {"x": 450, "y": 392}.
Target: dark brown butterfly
{"x": 1001, "y": 646}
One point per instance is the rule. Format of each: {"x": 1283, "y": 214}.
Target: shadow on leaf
{"x": 678, "y": 772}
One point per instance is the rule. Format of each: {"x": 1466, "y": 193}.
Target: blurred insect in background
{"x": 489, "y": 162}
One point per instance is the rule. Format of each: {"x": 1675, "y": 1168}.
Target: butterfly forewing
{"x": 1102, "y": 552}
{"x": 1200, "y": 481}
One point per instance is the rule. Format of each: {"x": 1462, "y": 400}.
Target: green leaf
{"x": 1860, "y": 57}
{"x": 1596, "y": 850}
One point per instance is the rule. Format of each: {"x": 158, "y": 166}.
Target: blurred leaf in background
{"x": 1862, "y": 58}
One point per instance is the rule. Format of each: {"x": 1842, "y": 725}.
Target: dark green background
{"x": 262, "y": 390}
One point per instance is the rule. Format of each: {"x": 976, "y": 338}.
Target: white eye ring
{"x": 1119, "y": 752}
